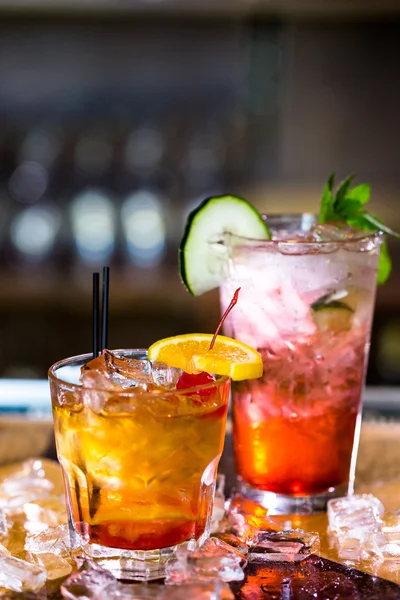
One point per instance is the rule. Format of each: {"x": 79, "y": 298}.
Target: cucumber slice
{"x": 200, "y": 266}
{"x": 333, "y": 296}
{"x": 357, "y": 298}
{"x": 334, "y": 316}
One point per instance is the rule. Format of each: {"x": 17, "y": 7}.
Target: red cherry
{"x": 191, "y": 380}
{"x": 188, "y": 380}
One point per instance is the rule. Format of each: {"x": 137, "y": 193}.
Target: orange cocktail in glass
{"x": 139, "y": 456}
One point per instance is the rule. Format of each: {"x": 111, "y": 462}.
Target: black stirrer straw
{"x": 104, "y": 316}
{"x": 96, "y": 313}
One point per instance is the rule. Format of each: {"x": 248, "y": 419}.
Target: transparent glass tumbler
{"x": 307, "y": 307}
{"x": 139, "y": 466}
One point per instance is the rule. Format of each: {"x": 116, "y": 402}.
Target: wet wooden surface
{"x": 378, "y": 472}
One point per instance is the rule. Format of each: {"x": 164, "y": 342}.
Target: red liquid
{"x": 140, "y": 535}
{"x": 295, "y": 435}
{"x": 294, "y": 428}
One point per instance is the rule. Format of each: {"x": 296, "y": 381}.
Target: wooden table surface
{"x": 378, "y": 472}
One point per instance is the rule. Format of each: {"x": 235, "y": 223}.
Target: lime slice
{"x": 199, "y": 265}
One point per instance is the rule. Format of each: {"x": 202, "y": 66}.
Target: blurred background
{"x": 118, "y": 116}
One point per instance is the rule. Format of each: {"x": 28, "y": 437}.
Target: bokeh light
{"x": 93, "y": 219}
{"x": 34, "y": 231}
{"x": 144, "y": 228}
{"x": 28, "y": 182}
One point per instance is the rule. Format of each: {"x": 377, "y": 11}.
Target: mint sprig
{"x": 346, "y": 205}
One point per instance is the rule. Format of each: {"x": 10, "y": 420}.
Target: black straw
{"x": 96, "y": 313}
{"x": 104, "y": 316}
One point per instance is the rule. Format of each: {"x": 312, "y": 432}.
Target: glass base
{"x": 281, "y": 504}
{"x": 130, "y": 565}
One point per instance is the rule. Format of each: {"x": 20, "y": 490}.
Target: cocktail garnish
{"x": 191, "y": 380}
{"x": 346, "y": 206}
{"x": 226, "y": 313}
{"x": 200, "y": 268}
{"x": 191, "y": 352}
{"x": 188, "y": 380}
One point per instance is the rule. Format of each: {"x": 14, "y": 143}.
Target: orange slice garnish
{"x": 191, "y": 352}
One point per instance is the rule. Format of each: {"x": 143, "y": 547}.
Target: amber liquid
{"x": 141, "y": 479}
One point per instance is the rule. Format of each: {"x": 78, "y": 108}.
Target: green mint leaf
{"x": 331, "y": 182}
{"x": 326, "y": 210}
{"x": 360, "y": 192}
{"x": 346, "y": 206}
{"x": 361, "y": 222}
{"x": 342, "y": 190}
{"x": 384, "y": 265}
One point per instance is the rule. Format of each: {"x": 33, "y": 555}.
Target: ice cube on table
{"x": 177, "y": 570}
{"x": 356, "y": 522}
{"x": 3, "y": 524}
{"x": 357, "y": 515}
{"x": 214, "y": 544}
{"x": 245, "y": 518}
{"x": 26, "y": 484}
{"x": 246, "y": 506}
{"x": 234, "y": 543}
{"x": 57, "y": 540}
{"x": 131, "y": 591}
{"x": 20, "y": 576}
{"x": 348, "y": 549}
{"x": 54, "y": 503}
{"x": 377, "y": 546}
{"x": 391, "y": 527}
{"x": 33, "y": 467}
{"x": 56, "y": 567}
{"x": 200, "y": 590}
{"x": 286, "y": 546}
{"x": 391, "y": 551}
{"x": 215, "y": 562}
{"x": 88, "y": 583}
{"x": 39, "y": 519}
{"x": 237, "y": 524}
{"x": 4, "y": 551}
{"x": 212, "y": 561}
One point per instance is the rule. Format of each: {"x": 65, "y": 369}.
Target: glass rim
{"x": 83, "y": 358}
{"x": 292, "y": 217}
